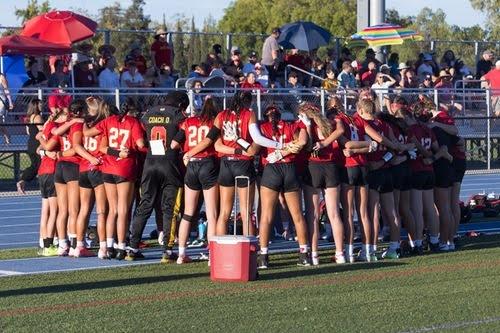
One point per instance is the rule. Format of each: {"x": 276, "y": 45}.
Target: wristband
{"x": 113, "y": 152}
{"x": 387, "y": 157}
{"x": 238, "y": 151}
{"x": 42, "y": 152}
{"x": 243, "y": 143}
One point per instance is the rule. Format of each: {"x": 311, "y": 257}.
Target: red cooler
{"x": 233, "y": 258}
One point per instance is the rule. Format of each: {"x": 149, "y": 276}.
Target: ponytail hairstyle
{"x": 208, "y": 110}
{"x": 241, "y": 100}
{"x": 98, "y": 109}
{"x": 314, "y": 113}
{"x": 274, "y": 116}
{"x": 129, "y": 107}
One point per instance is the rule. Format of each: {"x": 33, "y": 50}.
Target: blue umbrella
{"x": 302, "y": 35}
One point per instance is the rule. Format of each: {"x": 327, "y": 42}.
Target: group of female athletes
{"x": 401, "y": 168}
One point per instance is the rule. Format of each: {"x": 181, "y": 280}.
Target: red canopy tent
{"x": 30, "y": 46}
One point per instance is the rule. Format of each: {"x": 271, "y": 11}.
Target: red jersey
{"x": 163, "y": 53}
{"x": 66, "y": 143}
{"x": 383, "y": 129}
{"x": 47, "y": 165}
{"x": 118, "y": 134}
{"x": 240, "y": 124}
{"x": 285, "y": 134}
{"x": 426, "y": 137}
{"x": 357, "y": 133}
{"x": 195, "y": 132}
{"x": 325, "y": 154}
{"x": 91, "y": 145}
{"x": 444, "y": 118}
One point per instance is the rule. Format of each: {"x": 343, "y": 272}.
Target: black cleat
{"x": 304, "y": 259}
{"x": 120, "y": 254}
{"x": 131, "y": 256}
{"x": 434, "y": 247}
{"x": 168, "y": 257}
{"x": 110, "y": 253}
{"x": 262, "y": 261}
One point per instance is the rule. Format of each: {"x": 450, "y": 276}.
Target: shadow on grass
{"x": 97, "y": 285}
{"x": 478, "y": 243}
{"x": 270, "y": 274}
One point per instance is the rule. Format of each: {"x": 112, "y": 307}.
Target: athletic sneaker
{"x": 83, "y": 252}
{"x": 451, "y": 247}
{"x": 373, "y": 257}
{"x": 62, "y": 251}
{"x": 434, "y": 247}
{"x": 120, "y": 254}
{"x": 71, "y": 252}
{"x": 110, "y": 252}
{"x": 50, "y": 251}
{"x": 204, "y": 256}
{"x": 102, "y": 254}
{"x": 262, "y": 261}
{"x": 315, "y": 260}
{"x": 362, "y": 257}
{"x": 304, "y": 259}
{"x": 339, "y": 259}
{"x": 167, "y": 258}
{"x": 352, "y": 259}
{"x": 198, "y": 243}
{"x": 131, "y": 256}
{"x": 161, "y": 239}
{"x": 444, "y": 247}
{"x": 417, "y": 250}
{"x": 183, "y": 260}
{"x": 391, "y": 254}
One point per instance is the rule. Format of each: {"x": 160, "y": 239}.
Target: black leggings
{"x": 30, "y": 172}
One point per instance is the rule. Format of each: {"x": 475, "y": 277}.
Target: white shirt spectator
{"x": 381, "y": 89}
{"x": 137, "y": 78}
{"x": 109, "y": 79}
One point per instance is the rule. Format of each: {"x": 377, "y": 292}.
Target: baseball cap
{"x": 235, "y": 50}
{"x": 252, "y": 54}
{"x": 428, "y": 77}
{"x": 384, "y": 66}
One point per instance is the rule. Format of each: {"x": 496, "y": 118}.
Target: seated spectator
{"x": 251, "y": 83}
{"x": 330, "y": 83}
{"x": 381, "y": 88}
{"x": 393, "y": 65}
{"x": 250, "y": 66}
{"x": 448, "y": 60}
{"x": 385, "y": 69}
{"x": 294, "y": 58}
{"x": 132, "y": 78}
{"x": 197, "y": 96}
{"x": 408, "y": 78}
{"x": 164, "y": 78}
{"x": 426, "y": 68}
{"x": 197, "y": 71}
{"x": 346, "y": 79}
{"x": 427, "y": 82}
{"x": 108, "y": 78}
{"x": 318, "y": 69}
{"x": 295, "y": 86}
{"x": 136, "y": 56}
{"x": 217, "y": 70}
{"x": 485, "y": 64}
{"x": 331, "y": 59}
{"x": 217, "y": 55}
{"x": 58, "y": 77}
{"x": 234, "y": 66}
{"x": 36, "y": 78}
{"x": 261, "y": 75}
{"x": 368, "y": 77}
{"x": 84, "y": 72}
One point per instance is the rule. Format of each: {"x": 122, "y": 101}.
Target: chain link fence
{"x": 472, "y": 109}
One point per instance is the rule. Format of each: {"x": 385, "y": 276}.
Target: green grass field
{"x": 444, "y": 292}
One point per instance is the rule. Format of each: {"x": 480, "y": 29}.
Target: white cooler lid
{"x": 233, "y": 239}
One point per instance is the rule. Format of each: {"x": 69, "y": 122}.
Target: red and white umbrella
{"x": 60, "y": 26}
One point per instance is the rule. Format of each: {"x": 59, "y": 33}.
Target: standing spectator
{"x": 393, "y": 64}
{"x": 161, "y": 53}
{"x": 448, "y": 60}
{"x": 368, "y": 77}
{"x": 136, "y": 56}
{"x": 5, "y": 104}
{"x": 66, "y": 60}
{"x": 445, "y": 87}
{"x": 318, "y": 69}
{"x": 485, "y": 64}
{"x": 493, "y": 78}
{"x": 270, "y": 55}
{"x": 250, "y": 66}
{"x": 58, "y": 77}
{"x": 215, "y": 57}
{"x": 36, "y": 78}
{"x": 381, "y": 88}
{"x": 346, "y": 78}
{"x": 105, "y": 51}
{"x": 108, "y": 78}
{"x": 85, "y": 75}
{"x": 132, "y": 78}
{"x": 369, "y": 57}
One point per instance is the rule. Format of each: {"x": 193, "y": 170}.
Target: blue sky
{"x": 458, "y": 12}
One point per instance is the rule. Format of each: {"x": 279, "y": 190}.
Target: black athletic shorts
{"x": 280, "y": 177}
{"x": 66, "y": 172}
{"x": 323, "y": 175}
{"x": 201, "y": 174}
{"x": 443, "y": 173}
{"x": 113, "y": 179}
{"x": 380, "y": 180}
{"x": 459, "y": 166}
{"x": 90, "y": 179}
{"x": 344, "y": 179}
{"x": 422, "y": 180}
{"x": 356, "y": 176}
{"x": 230, "y": 169}
{"x": 401, "y": 176}
{"x": 47, "y": 186}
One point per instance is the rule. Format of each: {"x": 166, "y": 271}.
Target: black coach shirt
{"x": 162, "y": 123}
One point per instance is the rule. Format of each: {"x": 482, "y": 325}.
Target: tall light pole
{"x": 371, "y": 12}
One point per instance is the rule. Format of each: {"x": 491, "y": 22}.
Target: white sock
{"x": 374, "y": 248}
{"x": 263, "y": 250}
{"x": 412, "y": 243}
{"x": 71, "y": 236}
{"x": 79, "y": 244}
{"x": 182, "y": 251}
{"x": 303, "y": 248}
{"x": 393, "y": 245}
{"x": 314, "y": 254}
{"x": 40, "y": 243}
{"x": 63, "y": 243}
{"x": 338, "y": 254}
{"x": 121, "y": 246}
{"x": 434, "y": 239}
{"x": 349, "y": 249}
{"x": 110, "y": 242}
{"x": 102, "y": 244}
{"x": 367, "y": 249}
{"x": 418, "y": 242}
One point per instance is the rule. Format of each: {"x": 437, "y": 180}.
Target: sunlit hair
{"x": 34, "y": 107}
{"x": 399, "y": 107}
{"x": 335, "y": 104}
{"x": 366, "y": 106}
{"x": 314, "y": 113}
{"x": 208, "y": 110}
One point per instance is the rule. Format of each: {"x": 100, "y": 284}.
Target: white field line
{"x": 451, "y": 326}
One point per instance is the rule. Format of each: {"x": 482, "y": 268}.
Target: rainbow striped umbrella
{"x": 386, "y": 34}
